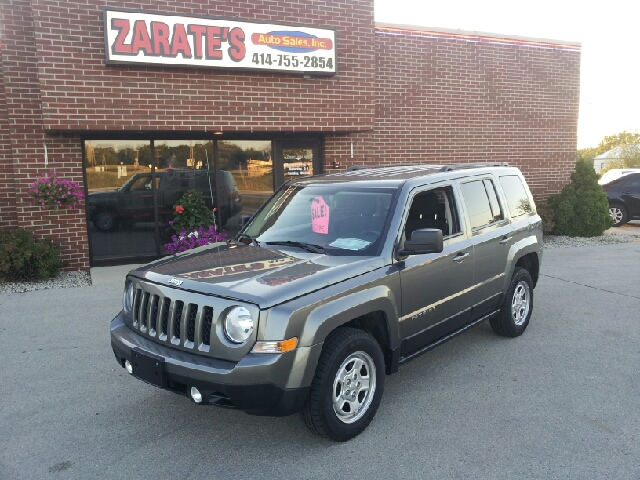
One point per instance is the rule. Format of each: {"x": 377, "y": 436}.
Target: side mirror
{"x": 244, "y": 220}
{"x": 424, "y": 240}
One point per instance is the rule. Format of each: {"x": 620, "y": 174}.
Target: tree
{"x": 587, "y": 153}
{"x": 619, "y": 139}
{"x": 582, "y": 208}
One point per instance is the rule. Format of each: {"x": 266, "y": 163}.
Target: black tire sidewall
{"x": 335, "y": 428}
{"x": 519, "y": 275}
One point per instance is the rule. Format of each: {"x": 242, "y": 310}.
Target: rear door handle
{"x": 460, "y": 257}
{"x": 505, "y": 239}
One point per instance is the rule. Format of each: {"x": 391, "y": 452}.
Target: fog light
{"x": 196, "y": 395}
{"x": 127, "y": 365}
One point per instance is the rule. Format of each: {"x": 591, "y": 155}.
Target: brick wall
{"x": 8, "y": 213}
{"x": 27, "y": 138}
{"x": 80, "y": 93}
{"x": 450, "y": 100}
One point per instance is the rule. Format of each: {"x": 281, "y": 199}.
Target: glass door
{"x": 296, "y": 158}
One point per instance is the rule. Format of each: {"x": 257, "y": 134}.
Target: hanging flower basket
{"x": 51, "y": 191}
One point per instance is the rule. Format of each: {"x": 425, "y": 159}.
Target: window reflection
{"x": 120, "y": 199}
{"x": 245, "y": 166}
{"x": 121, "y": 184}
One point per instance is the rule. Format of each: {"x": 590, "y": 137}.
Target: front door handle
{"x": 505, "y": 239}
{"x": 460, "y": 257}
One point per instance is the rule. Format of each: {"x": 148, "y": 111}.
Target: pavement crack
{"x": 591, "y": 286}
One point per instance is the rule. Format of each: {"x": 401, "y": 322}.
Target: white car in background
{"x": 615, "y": 173}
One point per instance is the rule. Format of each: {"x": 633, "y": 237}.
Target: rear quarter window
{"x": 516, "y": 195}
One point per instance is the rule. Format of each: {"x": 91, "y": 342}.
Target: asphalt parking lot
{"x": 559, "y": 402}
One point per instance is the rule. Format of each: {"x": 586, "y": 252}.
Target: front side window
{"x": 340, "y": 220}
{"x": 433, "y": 209}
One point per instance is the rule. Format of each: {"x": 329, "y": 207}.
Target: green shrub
{"x": 23, "y": 257}
{"x": 582, "y": 208}
{"x": 546, "y": 214}
{"x": 191, "y": 212}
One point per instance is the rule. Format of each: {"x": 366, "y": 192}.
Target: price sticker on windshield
{"x": 319, "y": 216}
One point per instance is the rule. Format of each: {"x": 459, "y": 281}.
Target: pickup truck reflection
{"x": 133, "y": 202}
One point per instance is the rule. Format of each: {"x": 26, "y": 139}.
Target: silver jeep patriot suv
{"x": 334, "y": 283}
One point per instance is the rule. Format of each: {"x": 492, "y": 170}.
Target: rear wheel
{"x": 348, "y": 385}
{"x": 105, "y": 221}
{"x": 619, "y": 215}
{"x": 514, "y": 315}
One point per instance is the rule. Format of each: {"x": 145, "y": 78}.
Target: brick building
{"x": 70, "y": 80}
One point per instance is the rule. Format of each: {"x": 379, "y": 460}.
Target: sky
{"x": 608, "y": 31}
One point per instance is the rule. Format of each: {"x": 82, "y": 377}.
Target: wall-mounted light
{"x": 217, "y": 133}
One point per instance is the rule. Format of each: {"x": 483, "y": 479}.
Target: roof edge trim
{"x": 474, "y": 36}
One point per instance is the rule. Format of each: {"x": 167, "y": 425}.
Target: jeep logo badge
{"x": 175, "y": 281}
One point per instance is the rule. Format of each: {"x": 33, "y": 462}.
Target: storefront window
{"x": 135, "y": 185}
{"x": 183, "y": 165}
{"x": 245, "y": 167}
{"x": 120, "y": 198}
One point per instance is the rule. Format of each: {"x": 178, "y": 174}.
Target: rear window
{"x": 632, "y": 181}
{"x": 516, "y": 195}
{"x": 477, "y": 201}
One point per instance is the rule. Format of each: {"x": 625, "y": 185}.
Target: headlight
{"x": 238, "y": 325}
{"x": 127, "y": 297}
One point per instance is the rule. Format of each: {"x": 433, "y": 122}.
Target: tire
{"x": 619, "y": 215}
{"x": 105, "y": 221}
{"x": 514, "y": 315}
{"x": 344, "y": 350}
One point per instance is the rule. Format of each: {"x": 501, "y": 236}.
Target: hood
{"x": 263, "y": 276}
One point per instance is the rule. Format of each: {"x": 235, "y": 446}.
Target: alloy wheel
{"x": 520, "y": 303}
{"x": 354, "y": 387}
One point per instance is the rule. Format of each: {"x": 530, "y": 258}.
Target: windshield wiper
{"x": 251, "y": 239}
{"x": 305, "y": 246}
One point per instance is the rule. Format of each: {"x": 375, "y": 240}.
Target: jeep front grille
{"x": 185, "y": 320}
{"x": 172, "y": 321}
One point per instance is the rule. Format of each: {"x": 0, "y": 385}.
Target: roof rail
{"x": 460, "y": 166}
{"x": 388, "y": 165}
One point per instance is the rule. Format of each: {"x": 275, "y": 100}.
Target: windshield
{"x": 334, "y": 219}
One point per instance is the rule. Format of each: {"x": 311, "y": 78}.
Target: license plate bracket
{"x": 148, "y": 367}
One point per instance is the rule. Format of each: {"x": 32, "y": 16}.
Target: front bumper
{"x": 259, "y": 384}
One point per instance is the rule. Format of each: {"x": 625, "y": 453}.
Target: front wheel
{"x": 514, "y": 315}
{"x": 619, "y": 215}
{"x": 348, "y": 385}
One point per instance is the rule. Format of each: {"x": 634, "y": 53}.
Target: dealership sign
{"x": 175, "y": 40}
